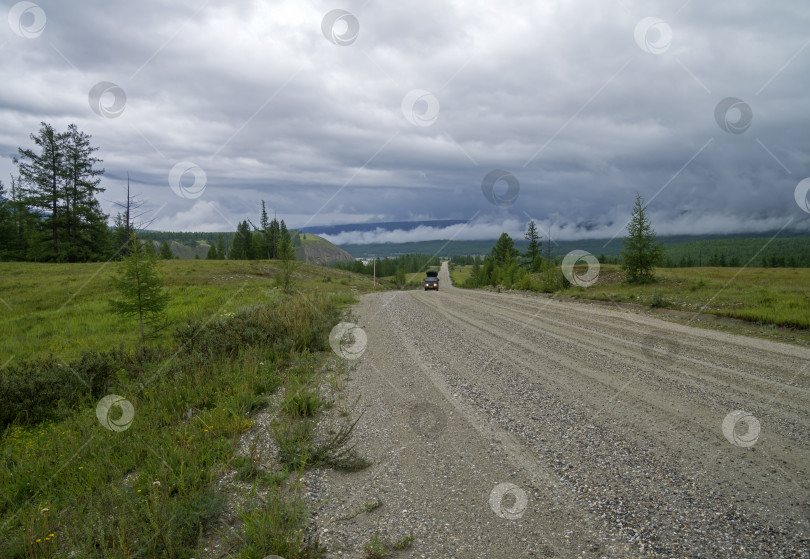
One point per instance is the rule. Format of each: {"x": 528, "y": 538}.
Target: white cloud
{"x": 254, "y": 94}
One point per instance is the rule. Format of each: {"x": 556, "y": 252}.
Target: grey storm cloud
{"x": 398, "y": 111}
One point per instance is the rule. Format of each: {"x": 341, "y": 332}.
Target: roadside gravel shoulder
{"x": 607, "y": 427}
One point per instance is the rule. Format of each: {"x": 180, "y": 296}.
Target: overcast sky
{"x": 350, "y": 111}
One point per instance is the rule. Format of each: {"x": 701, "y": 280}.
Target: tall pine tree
{"x": 641, "y": 252}
{"x": 83, "y": 213}
{"x": 242, "y": 245}
{"x": 59, "y": 182}
{"x": 221, "y": 252}
{"x": 41, "y": 172}
{"x": 285, "y": 246}
{"x": 533, "y": 251}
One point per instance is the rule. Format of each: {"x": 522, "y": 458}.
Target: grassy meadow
{"x": 766, "y": 296}
{"x": 64, "y": 308}
{"x": 181, "y": 468}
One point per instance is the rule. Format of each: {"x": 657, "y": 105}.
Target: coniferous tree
{"x": 241, "y": 247}
{"x": 399, "y": 278}
{"x": 59, "y": 182}
{"x": 7, "y": 232}
{"x": 474, "y": 273}
{"x": 165, "y": 251}
{"x": 82, "y": 209}
{"x": 221, "y": 253}
{"x": 140, "y": 288}
{"x": 504, "y": 250}
{"x": 212, "y": 253}
{"x": 41, "y": 172}
{"x": 274, "y": 238}
{"x": 533, "y": 250}
{"x": 285, "y": 246}
{"x": 128, "y": 220}
{"x": 149, "y": 248}
{"x": 641, "y": 252}
{"x": 23, "y": 225}
{"x": 264, "y": 245}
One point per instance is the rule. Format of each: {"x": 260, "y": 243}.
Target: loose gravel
{"x": 506, "y": 425}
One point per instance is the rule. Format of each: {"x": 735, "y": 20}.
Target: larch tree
{"x": 59, "y": 181}
{"x": 533, "y": 251}
{"x": 166, "y": 251}
{"x": 641, "y": 252}
{"x": 141, "y": 292}
{"x": 41, "y": 173}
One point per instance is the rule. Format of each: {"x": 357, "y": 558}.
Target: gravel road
{"x": 510, "y": 425}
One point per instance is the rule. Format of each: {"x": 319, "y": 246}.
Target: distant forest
{"x": 779, "y": 252}
{"x": 408, "y": 263}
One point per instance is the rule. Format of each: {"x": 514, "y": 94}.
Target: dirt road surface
{"x": 507, "y": 425}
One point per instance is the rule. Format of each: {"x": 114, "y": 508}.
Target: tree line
{"x": 51, "y": 213}
{"x": 270, "y": 240}
{"x": 507, "y": 266}
{"x": 405, "y": 264}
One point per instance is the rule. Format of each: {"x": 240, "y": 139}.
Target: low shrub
{"x": 552, "y": 279}
{"x": 293, "y": 325}
{"x": 35, "y": 390}
{"x": 658, "y": 301}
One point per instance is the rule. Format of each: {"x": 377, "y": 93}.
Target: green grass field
{"x": 71, "y": 486}
{"x": 64, "y": 308}
{"x": 460, "y": 274}
{"x": 768, "y": 296}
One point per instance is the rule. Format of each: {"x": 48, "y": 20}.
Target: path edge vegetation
{"x": 72, "y": 484}
{"x": 506, "y": 268}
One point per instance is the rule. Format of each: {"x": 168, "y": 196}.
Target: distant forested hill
{"x": 308, "y": 247}
{"x": 715, "y": 250}
{"x": 188, "y": 239}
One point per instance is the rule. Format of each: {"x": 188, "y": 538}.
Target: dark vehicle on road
{"x": 432, "y": 280}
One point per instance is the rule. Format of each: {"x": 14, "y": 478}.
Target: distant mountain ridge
{"x": 384, "y": 225}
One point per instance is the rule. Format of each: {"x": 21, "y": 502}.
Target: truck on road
{"x": 432, "y": 280}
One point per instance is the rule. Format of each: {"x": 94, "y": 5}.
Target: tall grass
{"x": 63, "y": 309}
{"x": 767, "y": 296}
{"x": 69, "y": 485}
